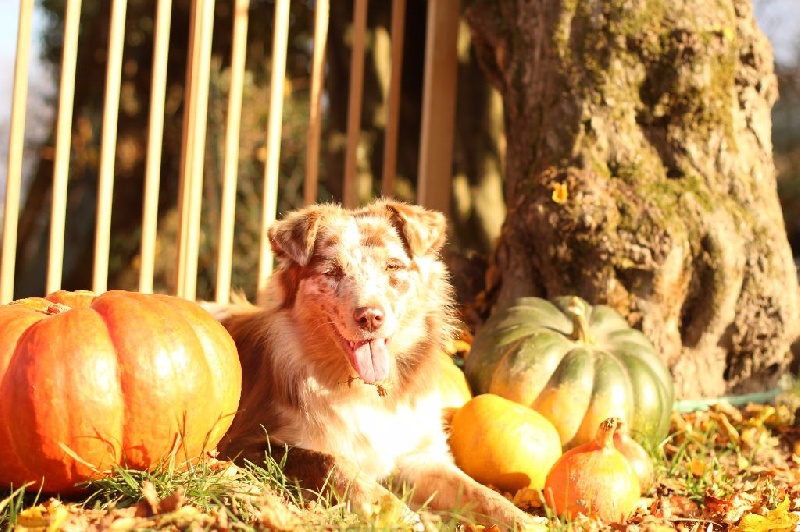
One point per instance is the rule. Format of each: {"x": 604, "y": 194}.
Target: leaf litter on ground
{"x": 724, "y": 468}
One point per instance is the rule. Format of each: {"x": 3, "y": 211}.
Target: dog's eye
{"x": 332, "y": 270}
{"x": 395, "y": 265}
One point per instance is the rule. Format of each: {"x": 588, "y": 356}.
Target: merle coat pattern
{"x": 342, "y": 355}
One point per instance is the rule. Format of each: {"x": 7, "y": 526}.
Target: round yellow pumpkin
{"x": 503, "y": 444}
{"x": 452, "y": 384}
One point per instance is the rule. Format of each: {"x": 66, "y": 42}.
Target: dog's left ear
{"x": 423, "y": 232}
{"x": 294, "y": 236}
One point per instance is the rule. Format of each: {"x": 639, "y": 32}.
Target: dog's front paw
{"x": 387, "y": 511}
{"x": 527, "y": 522}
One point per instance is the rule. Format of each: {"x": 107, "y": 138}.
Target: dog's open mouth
{"x": 370, "y": 358}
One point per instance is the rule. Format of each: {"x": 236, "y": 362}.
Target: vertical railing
{"x": 108, "y": 146}
{"x": 350, "y": 189}
{"x": 314, "y": 134}
{"x": 393, "y": 99}
{"x": 438, "y": 105}
{"x": 15, "y": 147}
{"x": 155, "y": 137}
{"x": 436, "y": 133}
{"x": 227, "y": 212}
{"x": 66, "y": 95}
{"x": 276, "y": 88}
{"x": 194, "y": 140}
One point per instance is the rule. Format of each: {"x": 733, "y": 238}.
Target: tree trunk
{"x": 655, "y": 116}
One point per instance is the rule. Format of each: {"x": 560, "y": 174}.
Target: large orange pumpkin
{"x": 123, "y": 378}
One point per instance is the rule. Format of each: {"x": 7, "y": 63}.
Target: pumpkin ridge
{"x": 168, "y": 331}
{"x": 12, "y": 446}
{"x": 569, "y": 389}
{"x": 506, "y": 352}
{"x": 56, "y": 426}
{"x": 112, "y": 447}
{"x": 115, "y": 446}
{"x": 209, "y": 338}
{"x": 509, "y": 378}
{"x": 609, "y": 386}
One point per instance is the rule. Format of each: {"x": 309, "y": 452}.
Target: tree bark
{"x": 655, "y": 115}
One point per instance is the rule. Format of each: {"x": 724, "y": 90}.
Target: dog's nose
{"x": 369, "y": 318}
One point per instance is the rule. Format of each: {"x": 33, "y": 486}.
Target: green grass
{"x": 251, "y": 497}
{"x": 723, "y": 457}
{"x": 14, "y": 503}
{"x": 211, "y": 487}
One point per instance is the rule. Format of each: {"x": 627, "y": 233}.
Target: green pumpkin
{"x": 575, "y": 364}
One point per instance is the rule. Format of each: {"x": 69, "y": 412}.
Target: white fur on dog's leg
{"x": 388, "y": 504}
{"x": 445, "y": 487}
{"x": 414, "y": 521}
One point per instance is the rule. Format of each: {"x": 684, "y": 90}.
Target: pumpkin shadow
{"x": 513, "y": 482}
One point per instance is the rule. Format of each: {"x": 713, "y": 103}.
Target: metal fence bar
{"x": 155, "y": 137}
{"x": 314, "y": 133}
{"x": 438, "y": 105}
{"x": 194, "y": 138}
{"x": 393, "y": 99}
{"x": 66, "y": 97}
{"x": 227, "y": 214}
{"x": 277, "y": 79}
{"x": 108, "y": 147}
{"x": 16, "y": 143}
{"x": 350, "y": 193}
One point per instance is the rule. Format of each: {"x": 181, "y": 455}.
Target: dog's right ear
{"x": 294, "y": 236}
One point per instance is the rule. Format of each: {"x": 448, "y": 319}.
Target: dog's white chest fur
{"x": 376, "y": 438}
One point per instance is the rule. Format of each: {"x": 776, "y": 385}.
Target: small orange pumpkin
{"x": 89, "y": 382}
{"x": 503, "y": 444}
{"x": 594, "y": 479}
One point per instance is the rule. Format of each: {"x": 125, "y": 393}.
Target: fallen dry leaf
{"x": 775, "y": 520}
{"x": 276, "y": 515}
{"x": 46, "y": 516}
{"x": 560, "y": 193}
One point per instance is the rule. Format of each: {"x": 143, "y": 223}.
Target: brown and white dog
{"x": 341, "y": 359}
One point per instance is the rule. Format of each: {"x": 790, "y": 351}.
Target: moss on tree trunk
{"x": 655, "y": 115}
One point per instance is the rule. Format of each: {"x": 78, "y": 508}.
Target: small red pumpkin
{"x": 639, "y": 459}
{"x": 117, "y": 379}
{"x": 594, "y": 479}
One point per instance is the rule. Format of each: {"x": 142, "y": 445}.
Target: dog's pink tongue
{"x": 371, "y": 360}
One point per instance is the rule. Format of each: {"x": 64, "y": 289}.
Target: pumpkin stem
{"x": 39, "y": 304}
{"x": 580, "y": 327}
{"x": 56, "y": 308}
{"x": 605, "y": 432}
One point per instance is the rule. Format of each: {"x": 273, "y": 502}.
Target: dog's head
{"x": 367, "y": 281}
